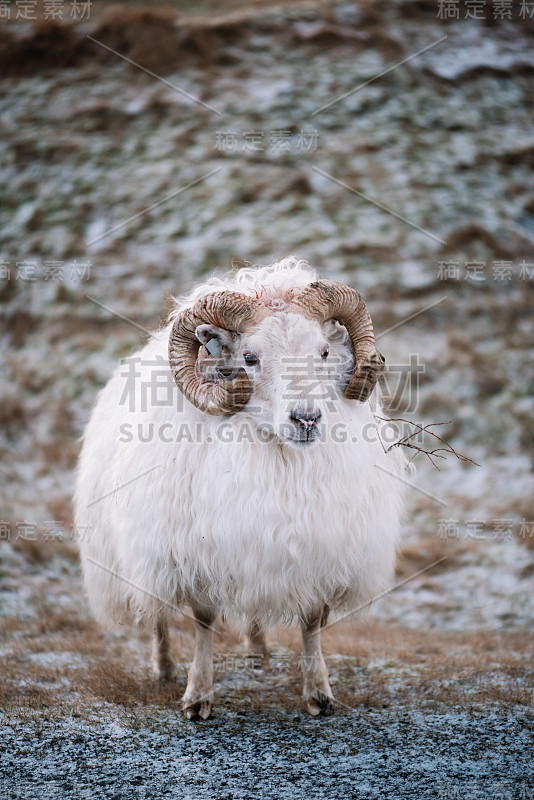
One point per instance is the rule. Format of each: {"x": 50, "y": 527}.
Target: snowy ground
{"x": 435, "y": 683}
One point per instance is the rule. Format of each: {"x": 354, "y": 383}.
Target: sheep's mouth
{"x": 302, "y": 442}
{"x": 301, "y": 437}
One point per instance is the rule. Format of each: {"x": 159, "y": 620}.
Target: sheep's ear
{"x": 334, "y": 332}
{"x": 330, "y": 327}
{"x": 214, "y": 339}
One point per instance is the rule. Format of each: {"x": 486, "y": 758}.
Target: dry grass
{"x": 150, "y": 37}
{"x": 62, "y": 448}
{"x": 12, "y": 414}
{"x": 371, "y": 666}
{"x": 168, "y": 34}
{"x": 114, "y": 682}
{"x": 426, "y": 551}
{"x": 42, "y": 548}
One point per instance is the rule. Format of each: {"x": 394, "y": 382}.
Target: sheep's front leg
{"x": 198, "y": 695}
{"x": 163, "y": 664}
{"x": 317, "y": 694}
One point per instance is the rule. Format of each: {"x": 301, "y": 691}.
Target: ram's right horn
{"x": 231, "y": 311}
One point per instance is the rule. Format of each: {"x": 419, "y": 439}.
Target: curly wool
{"x": 213, "y": 512}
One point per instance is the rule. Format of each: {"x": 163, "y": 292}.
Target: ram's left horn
{"x": 325, "y": 300}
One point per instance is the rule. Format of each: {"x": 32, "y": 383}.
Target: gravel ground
{"x": 379, "y": 754}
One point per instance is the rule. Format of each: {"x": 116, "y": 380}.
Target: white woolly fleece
{"x": 255, "y": 526}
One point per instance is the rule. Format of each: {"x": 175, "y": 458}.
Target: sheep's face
{"x": 297, "y": 369}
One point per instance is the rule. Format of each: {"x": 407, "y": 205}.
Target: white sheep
{"x": 255, "y": 483}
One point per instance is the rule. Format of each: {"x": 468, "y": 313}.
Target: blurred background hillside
{"x": 390, "y": 144}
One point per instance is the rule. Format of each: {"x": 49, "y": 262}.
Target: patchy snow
{"x": 446, "y": 142}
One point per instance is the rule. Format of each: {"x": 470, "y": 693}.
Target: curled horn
{"x": 325, "y": 300}
{"x": 233, "y": 312}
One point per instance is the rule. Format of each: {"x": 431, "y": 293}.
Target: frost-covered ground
{"x": 434, "y": 683}
{"x": 381, "y": 756}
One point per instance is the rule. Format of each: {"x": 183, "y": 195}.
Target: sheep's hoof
{"x": 199, "y": 710}
{"x": 319, "y": 703}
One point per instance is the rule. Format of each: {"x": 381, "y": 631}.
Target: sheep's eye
{"x": 250, "y": 359}
{"x": 324, "y": 352}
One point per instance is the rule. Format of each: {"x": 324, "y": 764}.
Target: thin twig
{"x": 437, "y": 452}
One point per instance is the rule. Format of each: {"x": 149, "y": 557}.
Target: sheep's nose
{"x": 308, "y": 419}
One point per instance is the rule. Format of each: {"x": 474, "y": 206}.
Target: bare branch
{"x": 437, "y": 452}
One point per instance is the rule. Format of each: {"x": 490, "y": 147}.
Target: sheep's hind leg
{"x": 198, "y": 695}
{"x": 163, "y": 664}
{"x": 256, "y": 643}
{"x": 317, "y": 694}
